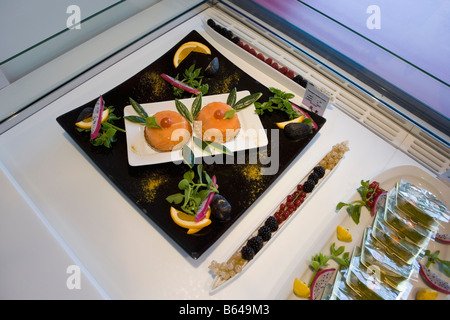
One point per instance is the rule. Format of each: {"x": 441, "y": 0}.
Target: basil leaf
{"x": 202, "y": 144}
{"x": 176, "y": 198}
{"x": 196, "y": 105}
{"x": 135, "y": 119}
{"x": 183, "y": 110}
{"x": 220, "y": 147}
{"x": 229, "y": 114}
{"x": 340, "y": 205}
{"x": 231, "y": 100}
{"x": 247, "y": 101}
{"x": 183, "y": 184}
{"x": 188, "y": 156}
{"x": 138, "y": 108}
{"x": 151, "y": 123}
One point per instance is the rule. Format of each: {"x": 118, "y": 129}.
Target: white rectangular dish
{"x": 252, "y": 134}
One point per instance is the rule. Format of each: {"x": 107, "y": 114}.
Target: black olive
{"x": 297, "y": 131}
{"x": 212, "y": 68}
{"x": 220, "y": 208}
{"x": 85, "y": 113}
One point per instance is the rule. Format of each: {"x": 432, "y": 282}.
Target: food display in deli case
{"x": 274, "y": 223}
{"x": 192, "y": 141}
{"x": 403, "y": 232}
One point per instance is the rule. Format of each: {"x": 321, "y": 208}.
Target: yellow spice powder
{"x": 150, "y": 186}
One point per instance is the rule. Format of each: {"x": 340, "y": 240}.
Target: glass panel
{"x": 400, "y": 48}
{"x": 47, "y": 43}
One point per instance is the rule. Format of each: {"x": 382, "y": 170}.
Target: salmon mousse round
{"x": 218, "y": 122}
{"x": 174, "y": 132}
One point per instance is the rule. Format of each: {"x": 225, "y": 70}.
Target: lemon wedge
{"x": 426, "y": 294}
{"x": 186, "y": 48}
{"x": 301, "y": 289}
{"x": 283, "y": 124}
{"x": 87, "y": 123}
{"x": 343, "y": 234}
{"x": 188, "y": 221}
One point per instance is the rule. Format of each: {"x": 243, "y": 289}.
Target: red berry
{"x": 283, "y": 70}
{"x": 297, "y": 203}
{"x": 166, "y": 122}
{"x": 240, "y": 44}
{"x": 246, "y": 47}
{"x": 275, "y": 65}
{"x": 252, "y": 51}
{"x": 269, "y": 61}
{"x": 373, "y": 185}
{"x": 290, "y": 74}
{"x": 260, "y": 56}
{"x": 370, "y": 202}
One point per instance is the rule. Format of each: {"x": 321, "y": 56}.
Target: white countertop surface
{"x": 59, "y": 210}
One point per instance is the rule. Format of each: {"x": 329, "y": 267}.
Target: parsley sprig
{"x": 354, "y": 207}
{"x": 433, "y": 258}
{"x": 193, "y": 191}
{"x": 193, "y": 79}
{"x": 107, "y": 133}
{"x": 142, "y": 117}
{"x": 279, "y": 101}
{"x": 320, "y": 260}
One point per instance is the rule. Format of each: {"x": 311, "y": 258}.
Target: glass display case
{"x": 360, "y": 75}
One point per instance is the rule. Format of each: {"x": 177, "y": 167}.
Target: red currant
{"x": 166, "y": 122}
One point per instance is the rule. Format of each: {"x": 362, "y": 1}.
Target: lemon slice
{"x": 188, "y": 221}
{"x": 426, "y": 294}
{"x": 343, "y": 234}
{"x": 301, "y": 289}
{"x": 186, "y": 48}
{"x": 87, "y": 123}
{"x": 283, "y": 124}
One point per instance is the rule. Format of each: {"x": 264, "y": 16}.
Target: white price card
{"x": 315, "y": 99}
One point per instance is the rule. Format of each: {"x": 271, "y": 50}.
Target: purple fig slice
{"x": 179, "y": 84}
{"x": 379, "y": 202}
{"x": 434, "y": 280}
{"x": 97, "y": 118}
{"x": 442, "y": 238}
{"x": 319, "y": 283}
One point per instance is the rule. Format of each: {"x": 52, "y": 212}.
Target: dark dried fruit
{"x": 314, "y": 177}
{"x": 308, "y": 186}
{"x": 85, "y": 113}
{"x": 211, "y": 23}
{"x": 272, "y": 223}
{"x": 212, "y": 68}
{"x": 297, "y": 131}
{"x": 255, "y": 243}
{"x": 247, "y": 253}
{"x": 320, "y": 171}
{"x": 265, "y": 233}
{"x": 220, "y": 208}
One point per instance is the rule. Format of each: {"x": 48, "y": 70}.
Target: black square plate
{"x": 148, "y": 186}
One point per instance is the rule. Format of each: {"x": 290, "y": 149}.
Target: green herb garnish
{"x": 354, "y": 207}
{"x": 279, "y": 101}
{"x": 320, "y": 260}
{"x": 193, "y": 191}
{"x": 107, "y": 133}
{"x": 192, "y": 79}
{"x": 433, "y": 258}
{"x": 142, "y": 117}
